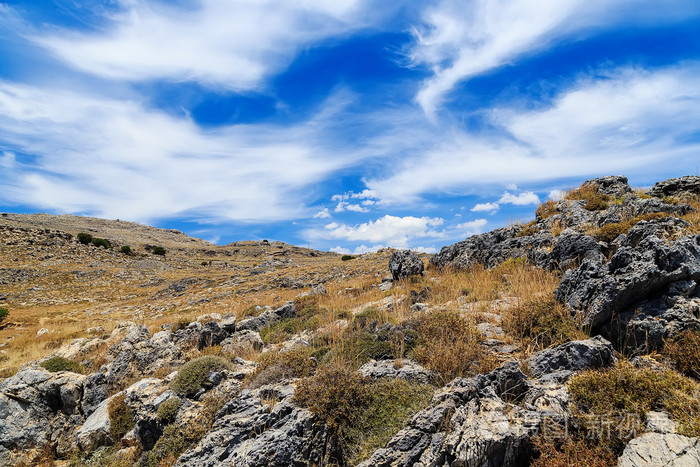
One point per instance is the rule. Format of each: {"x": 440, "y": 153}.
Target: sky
{"x": 342, "y": 125}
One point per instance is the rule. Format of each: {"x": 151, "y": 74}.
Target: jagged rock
{"x": 468, "y": 424}
{"x": 318, "y": 290}
{"x": 656, "y": 449}
{"x": 95, "y": 430}
{"x": 647, "y": 325}
{"x": 94, "y": 392}
{"x": 668, "y": 229}
{"x": 228, "y": 324}
{"x": 267, "y": 317}
{"x": 262, "y": 428}
{"x": 598, "y": 291}
{"x": 614, "y": 185}
{"x": 595, "y": 352}
{"x": 405, "y": 369}
{"x": 570, "y": 248}
{"x": 139, "y": 353}
{"x": 405, "y": 263}
{"x": 242, "y": 341}
{"x": 211, "y": 334}
{"x": 143, "y": 398}
{"x": 491, "y": 248}
{"x": 38, "y": 408}
{"x": 677, "y": 186}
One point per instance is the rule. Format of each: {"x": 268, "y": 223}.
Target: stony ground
{"x": 569, "y": 340}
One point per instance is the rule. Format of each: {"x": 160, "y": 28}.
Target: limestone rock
{"x": 656, "y": 449}
{"x": 95, "y": 430}
{"x": 405, "y": 369}
{"x": 404, "y": 264}
{"x": 677, "y": 186}
{"x": 614, "y": 185}
{"x": 267, "y": 317}
{"x": 595, "y": 352}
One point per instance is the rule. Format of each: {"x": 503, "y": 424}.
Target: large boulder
{"x": 404, "y": 264}
{"x": 261, "y": 428}
{"x": 573, "y": 356}
{"x": 405, "y": 369}
{"x": 598, "y": 291}
{"x": 614, "y": 185}
{"x": 38, "y": 409}
{"x": 677, "y": 186}
{"x": 656, "y": 449}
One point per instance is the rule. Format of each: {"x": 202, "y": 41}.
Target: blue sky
{"x": 345, "y": 125}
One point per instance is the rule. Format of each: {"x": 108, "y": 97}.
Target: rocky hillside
{"x": 570, "y": 340}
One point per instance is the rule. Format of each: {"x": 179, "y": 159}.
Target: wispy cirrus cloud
{"x": 231, "y": 44}
{"x": 118, "y": 159}
{"x": 459, "y": 40}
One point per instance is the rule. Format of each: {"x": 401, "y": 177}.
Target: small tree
{"x": 101, "y": 242}
{"x": 126, "y": 249}
{"x": 159, "y": 250}
{"x": 3, "y": 314}
{"x": 84, "y": 238}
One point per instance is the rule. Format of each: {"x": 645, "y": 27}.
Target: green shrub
{"x": 101, "y": 242}
{"x": 4, "y": 313}
{"x": 84, "y": 238}
{"x": 55, "y": 364}
{"x": 168, "y": 448}
{"x": 347, "y": 257}
{"x": 541, "y": 323}
{"x": 159, "y": 250}
{"x": 121, "y": 419}
{"x": 167, "y": 411}
{"x": 274, "y": 366}
{"x": 684, "y": 353}
{"x": 126, "y": 249}
{"x": 624, "y": 394}
{"x": 306, "y": 319}
{"x": 194, "y": 375}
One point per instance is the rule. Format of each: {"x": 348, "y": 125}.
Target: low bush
{"x": 684, "y": 353}
{"x": 610, "y": 232}
{"x": 55, "y": 364}
{"x": 274, "y": 366}
{"x": 101, "y": 242}
{"x": 527, "y": 230}
{"x": 621, "y": 396}
{"x": 159, "y": 250}
{"x": 121, "y": 420}
{"x": 194, "y": 375}
{"x": 168, "y": 448}
{"x": 167, "y": 411}
{"x": 347, "y": 257}
{"x": 449, "y": 345}
{"x": 4, "y": 313}
{"x": 306, "y": 319}
{"x": 84, "y": 238}
{"x": 569, "y": 451}
{"x": 594, "y": 201}
{"x": 546, "y": 210}
{"x": 541, "y": 323}
{"x": 126, "y": 249}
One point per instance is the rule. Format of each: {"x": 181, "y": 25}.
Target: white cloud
{"x": 390, "y": 230}
{"x": 340, "y": 250}
{"x": 233, "y": 44}
{"x": 523, "y": 199}
{"x": 356, "y": 208}
{"x": 631, "y": 121}
{"x": 485, "y": 207}
{"x": 472, "y": 227}
{"x": 462, "y": 39}
{"x": 364, "y": 194}
{"x": 322, "y": 214}
{"x": 7, "y": 160}
{"x": 117, "y": 159}
{"x": 362, "y": 249}
{"x": 556, "y": 195}
{"x": 423, "y": 249}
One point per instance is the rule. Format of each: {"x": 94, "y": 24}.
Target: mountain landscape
{"x": 570, "y": 339}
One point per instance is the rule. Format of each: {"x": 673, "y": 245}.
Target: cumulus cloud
{"x": 556, "y": 195}
{"x": 472, "y": 227}
{"x": 522, "y": 199}
{"x": 389, "y": 230}
{"x": 459, "y": 40}
{"x": 231, "y": 44}
{"x": 322, "y": 214}
{"x": 485, "y": 207}
{"x": 118, "y": 159}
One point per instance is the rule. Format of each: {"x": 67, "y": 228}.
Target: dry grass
{"x": 594, "y": 201}
{"x": 693, "y": 217}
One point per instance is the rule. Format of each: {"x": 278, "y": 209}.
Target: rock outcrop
{"x": 404, "y": 264}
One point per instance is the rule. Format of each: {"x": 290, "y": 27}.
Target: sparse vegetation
{"x": 546, "y": 210}
{"x": 168, "y": 448}
{"x": 55, "y": 364}
{"x": 194, "y": 375}
{"x": 296, "y": 363}
{"x": 540, "y": 323}
{"x": 121, "y": 420}
{"x": 568, "y": 451}
{"x": 126, "y": 249}
{"x": 684, "y": 353}
{"x": 610, "y": 232}
{"x": 625, "y": 394}
{"x": 4, "y": 313}
{"x": 594, "y": 201}
{"x": 159, "y": 250}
